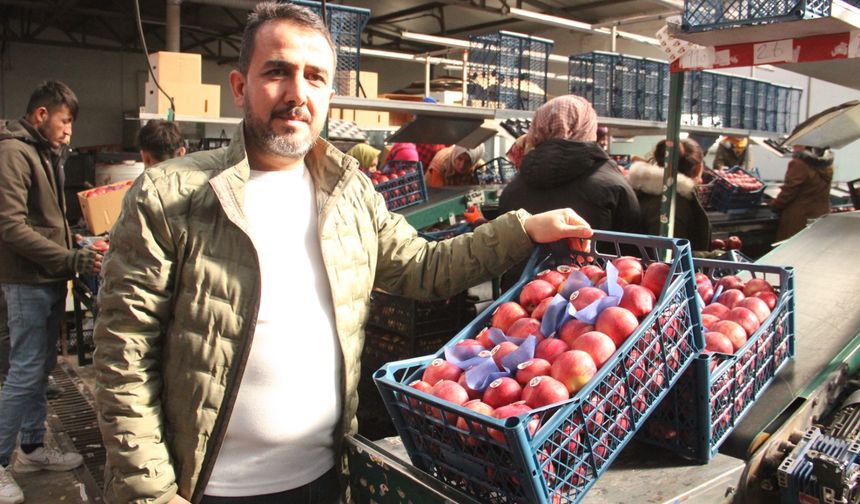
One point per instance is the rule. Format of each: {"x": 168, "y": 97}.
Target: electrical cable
{"x": 171, "y": 112}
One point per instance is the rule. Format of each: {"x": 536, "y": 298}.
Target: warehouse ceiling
{"x": 213, "y": 27}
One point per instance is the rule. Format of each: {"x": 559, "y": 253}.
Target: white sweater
{"x": 280, "y": 434}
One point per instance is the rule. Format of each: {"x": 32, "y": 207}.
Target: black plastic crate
{"x": 404, "y": 186}
{"x": 345, "y": 25}
{"x": 590, "y": 76}
{"x": 508, "y": 70}
{"x": 705, "y": 15}
{"x": 412, "y": 318}
{"x": 495, "y": 171}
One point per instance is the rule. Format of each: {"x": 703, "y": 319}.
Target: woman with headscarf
{"x": 732, "y": 151}
{"x": 454, "y": 165}
{"x": 367, "y": 156}
{"x": 805, "y": 192}
{"x": 691, "y": 220}
{"x": 567, "y": 168}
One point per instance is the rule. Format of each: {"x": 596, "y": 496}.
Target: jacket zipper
{"x": 219, "y": 430}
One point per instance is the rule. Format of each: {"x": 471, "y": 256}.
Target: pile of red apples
{"x": 563, "y": 362}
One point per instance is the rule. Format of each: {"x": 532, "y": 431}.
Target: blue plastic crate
{"x": 794, "y": 98}
{"x": 651, "y": 76}
{"x": 722, "y": 100}
{"x": 736, "y": 102}
{"x": 727, "y": 197}
{"x": 762, "y": 90}
{"x": 590, "y": 76}
{"x": 748, "y": 101}
{"x": 406, "y": 190}
{"x": 345, "y": 25}
{"x": 625, "y": 86}
{"x": 719, "y": 389}
{"x": 576, "y": 440}
{"x": 508, "y": 70}
{"x": 705, "y": 15}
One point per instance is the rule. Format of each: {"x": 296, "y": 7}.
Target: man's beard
{"x": 263, "y": 136}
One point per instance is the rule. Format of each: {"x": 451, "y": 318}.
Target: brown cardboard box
{"x": 177, "y": 68}
{"x": 371, "y": 118}
{"x": 401, "y": 118}
{"x": 369, "y": 83}
{"x": 102, "y": 207}
{"x": 190, "y": 99}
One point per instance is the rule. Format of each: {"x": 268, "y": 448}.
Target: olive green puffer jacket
{"x": 180, "y": 295}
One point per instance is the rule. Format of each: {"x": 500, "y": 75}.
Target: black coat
{"x": 579, "y": 175}
{"x": 563, "y": 173}
{"x": 691, "y": 220}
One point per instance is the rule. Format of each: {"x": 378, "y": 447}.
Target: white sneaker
{"x": 46, "y": 458}
{"x": 10, "y": 492}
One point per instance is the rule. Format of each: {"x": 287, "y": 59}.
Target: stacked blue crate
{"x": 625, "y": 86}
{"x": 761, "y": 96}
{"x": 345, "y": 25}
{"x": 794, "y": 96}
{"x": 722, "y": 100}
{"x": 651, "y": 75}
{"x": 704, "y": 15}
{"x": 590, "y": 77}
{"x": 508, "y": 70}
{"x": 736, "y": 102}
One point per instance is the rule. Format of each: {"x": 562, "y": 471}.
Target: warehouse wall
{"x": 106, "y": 83}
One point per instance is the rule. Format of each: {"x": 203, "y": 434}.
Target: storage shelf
{"x": 146, "y": 116}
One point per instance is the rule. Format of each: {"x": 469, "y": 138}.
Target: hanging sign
{"x": 776, "y": 51}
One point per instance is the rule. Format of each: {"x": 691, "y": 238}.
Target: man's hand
{"x": 85, "y": 261}
{"x": 558, "y": 224}
{"x": 178, "y": 500}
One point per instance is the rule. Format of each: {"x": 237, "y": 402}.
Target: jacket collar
{"x": 329, "y": 169}
{"x": 648, "y": 178}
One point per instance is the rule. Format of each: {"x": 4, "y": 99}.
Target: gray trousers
{"x": 4, "y": 339}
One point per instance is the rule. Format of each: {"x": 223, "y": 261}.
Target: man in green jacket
{"x": 237, "y": 287}
{"x": 36, "y": 261}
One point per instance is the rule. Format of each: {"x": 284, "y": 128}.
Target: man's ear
{"x": 40, "y": 116}
{"x": 180, "y": 152}
{"x": 237, "y": 86}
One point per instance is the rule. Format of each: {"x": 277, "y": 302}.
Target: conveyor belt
{"x": 827, "y": 284}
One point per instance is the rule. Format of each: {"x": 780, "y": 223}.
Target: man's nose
{"x": 297, "y": 91}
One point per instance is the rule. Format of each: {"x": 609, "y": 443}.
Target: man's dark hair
{"x": 52, "y": 94}
{"x": 273, "y": 11}
{"x": 162, "y": 139}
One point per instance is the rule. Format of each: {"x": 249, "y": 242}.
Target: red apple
{"x": 617, "y": 323}
{"x": 467, "y": 425}
{"x": 585, "y": 296}
{"x": 550, "y": 348}
{"x": 525, "y": 327}
{"x": 593, "y": 272}
{"x": 769, "y": 298}
{"x": 527, "y": 370}
{"x": 745, "y": 318}
{"x": 629, "y": 268}
{"x": 596, "y": 344}
{"x": 706, "y": 291}
{"x": 473, "y": 394}
{"x": 757, "y": 306}
{"x": 572, "y": 329}
{"x": 534, "y": 292}
{"x": 506, "y": 314}
{"x": 440, "y": 369}
{"x": 421, "y": 385}
{"x": 573, "y": 368}
{"x": 730, "y": 297}
{"x": 541, "y": 308}
{"x": 718, "y": 310}
{"x": 554, "y": 277}
{"x": 730, "y": 282}
{"x": 484, "y": 339}
{"x": 734, "y": 243}
{"x": 655, "y": 277}
{"x": 638, "y": 299}
{"x": 501, "y": 350}
{"x": 718, "y": 342}
{"x": 565, "y": 270}
{"x": 718, "y": 244}
{"x": 543, "y": 391}
{"x": 502, "y": 391}
{"x": 450, "y": 391}
{"x": 708, "y": 320}
{"x": 736, "y": 334}
{"x": 512, "y": 410}
{"x": 757, "y": 285}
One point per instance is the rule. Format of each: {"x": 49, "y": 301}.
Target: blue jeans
{"x": 35, "y": 314}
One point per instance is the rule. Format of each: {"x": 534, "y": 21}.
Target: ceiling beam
{"x": 394, "y": 16}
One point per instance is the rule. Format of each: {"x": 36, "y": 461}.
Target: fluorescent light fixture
{"x": 434, "y": 39}
{"x": 550, "y": 20}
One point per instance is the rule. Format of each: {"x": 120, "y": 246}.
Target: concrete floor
{"x": 47, "y": 487}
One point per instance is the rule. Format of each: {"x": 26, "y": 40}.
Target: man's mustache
{"x": 292, "y": 114}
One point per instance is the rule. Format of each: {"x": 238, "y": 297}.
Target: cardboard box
{"x": 369, "y": 83}
{"x": 176, "y": 68}
{"x": 190, "y": 99}
{"x": 100, "y": 206}
{"x": 371, "y": 118}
